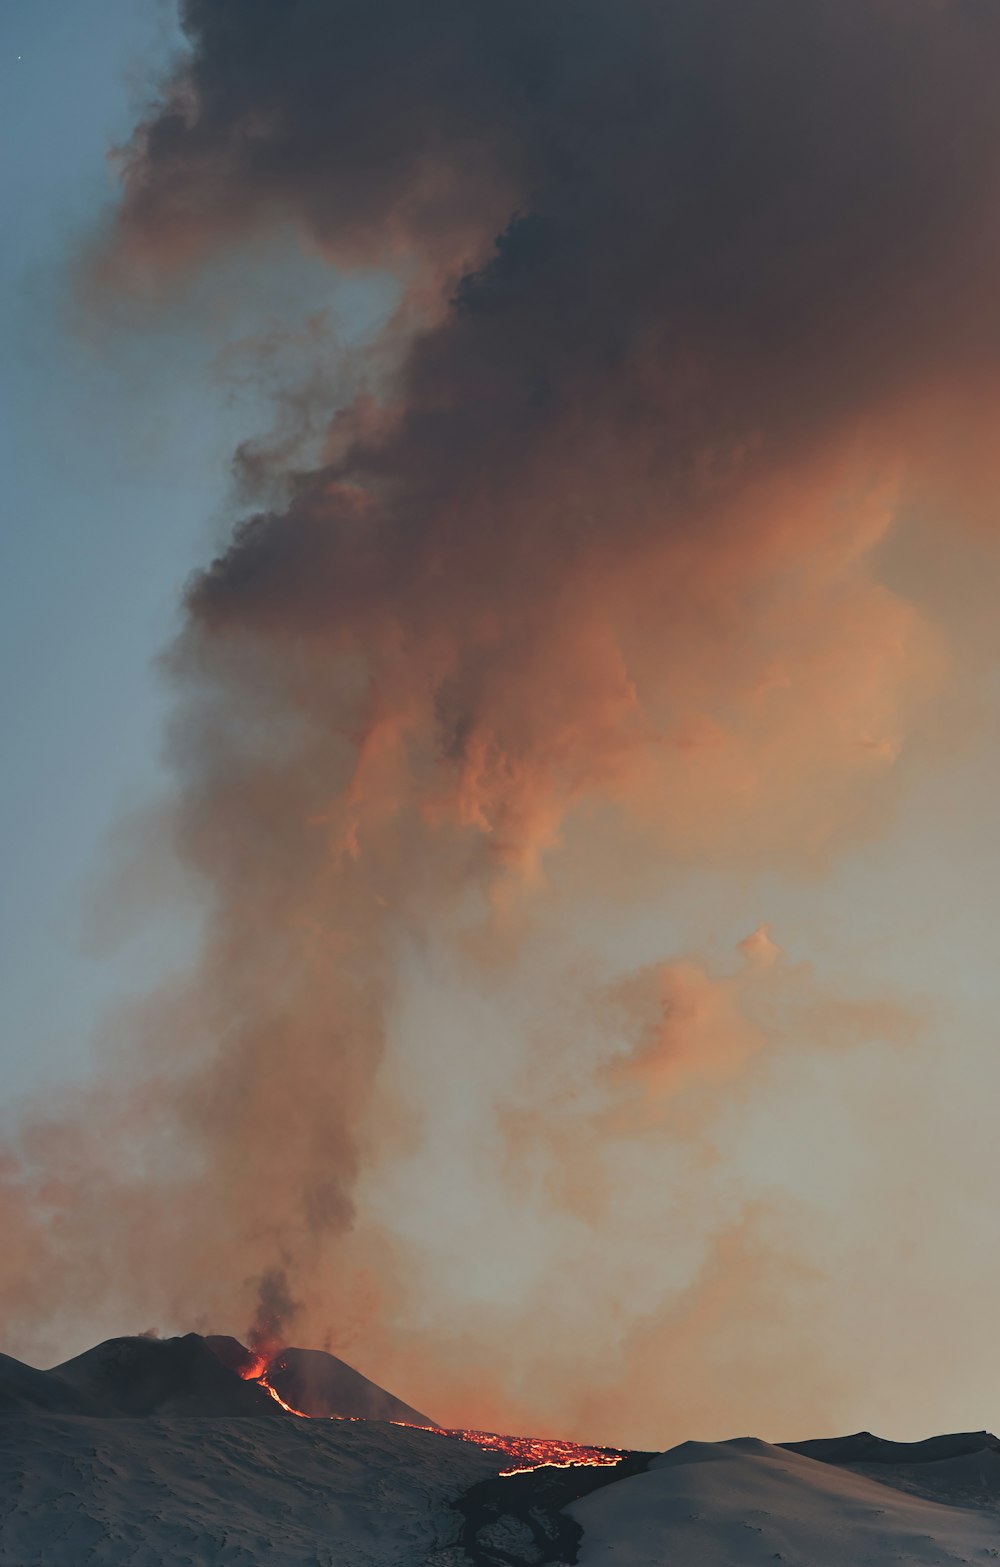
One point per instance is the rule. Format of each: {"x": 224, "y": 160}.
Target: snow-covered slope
{"x": 144, "y": 1452}
{"x": 229, "y": 1493}
{"x": 189, "y": 1492}
{"x": 744, "y": 1503}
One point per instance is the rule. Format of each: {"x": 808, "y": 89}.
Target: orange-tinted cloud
{"x": 601, "y": 556}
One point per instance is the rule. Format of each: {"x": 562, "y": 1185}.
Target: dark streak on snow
{"x": 518, "y": 1520}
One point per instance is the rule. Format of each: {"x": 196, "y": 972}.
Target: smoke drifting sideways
{"x": 696, "y": 296}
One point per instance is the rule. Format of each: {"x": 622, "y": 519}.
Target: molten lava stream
{"x": 527, "y": 1452}
{"x": 255, "y": 1370}
{"x": 265, "y": 1384}
{"x": 531, "y": 1452}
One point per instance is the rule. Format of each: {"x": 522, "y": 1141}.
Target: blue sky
{"x": 100, "y": 526}
{"x": 116, "y": 452}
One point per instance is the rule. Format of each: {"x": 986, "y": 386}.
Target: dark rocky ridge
{"x": 320, "y": 1384}
{"x": 191, "y": 1375}
{"x": 866, "y": 1448}
{"x": 317, "y": 1383}
{"x": 959, "y": 1469}
{"x": 520, "y": 1520}
{"x": 133, "y": 1377}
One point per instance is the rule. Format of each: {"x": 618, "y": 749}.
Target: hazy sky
{"x": 108, "y": 480}
{"x": 547, "y": 909}
{"x": 116, "y": 479}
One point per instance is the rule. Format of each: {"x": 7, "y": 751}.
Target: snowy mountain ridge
{"x": 144, "y": 1452}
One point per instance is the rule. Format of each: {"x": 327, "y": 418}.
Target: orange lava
{"x": 530, "y": 1452}
{"x": 525, "y": 1452}
{"x": 256, "y": 1370}
{"x": 265, "y": 1384}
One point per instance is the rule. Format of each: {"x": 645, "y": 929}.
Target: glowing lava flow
{"x": 525, "y": 1452}
{"x": 265, "y": 1384}
{"x": 530, "y": 1452}
{"x": 256, "y": 1370}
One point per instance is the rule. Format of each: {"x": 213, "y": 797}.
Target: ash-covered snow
{"x": 205, "y": 1492}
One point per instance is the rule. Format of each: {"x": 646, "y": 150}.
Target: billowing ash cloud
{"x": 276, "y": 1311}
{"x": 693, "y": 288}
{"x": 657, "y": 430}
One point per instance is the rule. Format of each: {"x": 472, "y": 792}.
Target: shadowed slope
{"x": 320, "y": 1384}
{"x": 25, "y": 1390}
{"x": 174, "y": 1376}
{"x": 962, "y": 1469}
{"x": 317, "y": 1383}
{"x": 865, "y": 1448}
{"x": 133, "y": 1376}
{"x": 193, "y": 1375}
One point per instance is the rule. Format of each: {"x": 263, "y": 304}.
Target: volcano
{"x": 312, "y": 1382}
{"x": 133, "y": 1377}
{"x": 141, "y": 1450}
{"x": 215, "y": 1376}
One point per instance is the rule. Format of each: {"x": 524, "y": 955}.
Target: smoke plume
{"x": 695, "y": 296}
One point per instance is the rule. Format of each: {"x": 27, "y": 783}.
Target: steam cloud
{"x": 695, "y": 294}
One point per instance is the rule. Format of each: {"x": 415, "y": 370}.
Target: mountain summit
{"x": 316, "y": 1383}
